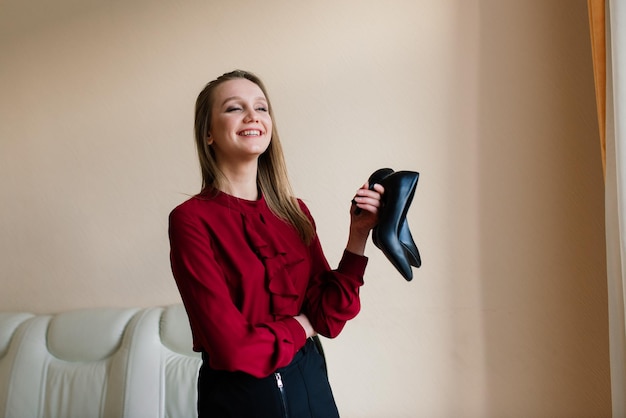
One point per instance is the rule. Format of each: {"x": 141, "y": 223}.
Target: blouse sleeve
{"x": 218, "y": 327}
{"x": 332, "y": 296}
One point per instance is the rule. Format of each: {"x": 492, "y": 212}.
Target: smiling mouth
{"x": 250, "y": 132}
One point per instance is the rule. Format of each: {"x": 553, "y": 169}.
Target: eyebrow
{"x": 228, "y": 99}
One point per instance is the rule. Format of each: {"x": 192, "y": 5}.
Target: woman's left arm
{"x": 333, "y": 295}
{"x": 361, "y": 223}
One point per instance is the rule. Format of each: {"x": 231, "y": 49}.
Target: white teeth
{"x": 251, "y": 133}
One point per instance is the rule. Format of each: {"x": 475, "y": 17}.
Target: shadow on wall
{"x": 542, "y": 257}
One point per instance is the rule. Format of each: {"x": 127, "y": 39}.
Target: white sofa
{"x": 111, "y": 363}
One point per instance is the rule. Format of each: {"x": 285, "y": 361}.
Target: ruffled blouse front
{"x": 278, "y": 261}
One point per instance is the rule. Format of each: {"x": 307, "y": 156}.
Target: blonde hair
{"x": 272, "y": 176}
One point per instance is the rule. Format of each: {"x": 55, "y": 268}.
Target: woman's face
{"x": 241, "y": 126}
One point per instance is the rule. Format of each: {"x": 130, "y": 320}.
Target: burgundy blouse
{"x": 243, "y": 274}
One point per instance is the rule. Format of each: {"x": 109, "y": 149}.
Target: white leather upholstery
{"x": 126, "y": 363}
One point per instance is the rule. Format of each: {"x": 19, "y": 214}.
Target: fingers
{"x": 380, "y": 189}
{"x": 367, "y": 199}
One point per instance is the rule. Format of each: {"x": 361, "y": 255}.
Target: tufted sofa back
{"x": 126, "y": 363}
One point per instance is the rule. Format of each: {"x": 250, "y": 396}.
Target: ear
{"x": 209, "y": 140}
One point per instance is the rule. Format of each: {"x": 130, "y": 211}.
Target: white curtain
{"x": 615, "y": 197}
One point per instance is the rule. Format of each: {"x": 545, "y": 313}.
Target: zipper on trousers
{"x": 281, "y": 390}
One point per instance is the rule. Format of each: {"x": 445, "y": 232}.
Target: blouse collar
{"x": 233, "y": 202}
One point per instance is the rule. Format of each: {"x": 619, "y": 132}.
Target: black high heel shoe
{"x": 392, "y": 234}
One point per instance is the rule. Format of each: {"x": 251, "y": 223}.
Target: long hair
{"x": 272, "y": 176}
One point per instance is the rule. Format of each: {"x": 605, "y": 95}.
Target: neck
{"x": 241, "y": 182}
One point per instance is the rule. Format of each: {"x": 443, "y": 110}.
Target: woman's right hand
{"x": 306, "y": 324}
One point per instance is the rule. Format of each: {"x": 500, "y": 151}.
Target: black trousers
{"x": 300, "y": 390}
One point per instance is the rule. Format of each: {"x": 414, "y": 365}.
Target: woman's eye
{"x": 233, "y": 109}
{"x": 261, "y": 109}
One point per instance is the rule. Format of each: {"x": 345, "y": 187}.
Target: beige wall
{"x": 491, "y": 101}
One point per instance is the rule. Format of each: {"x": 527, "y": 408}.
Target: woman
{"x": 250, "y": 269}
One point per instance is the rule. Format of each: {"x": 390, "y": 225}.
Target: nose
{"x": 251, "y": 116}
